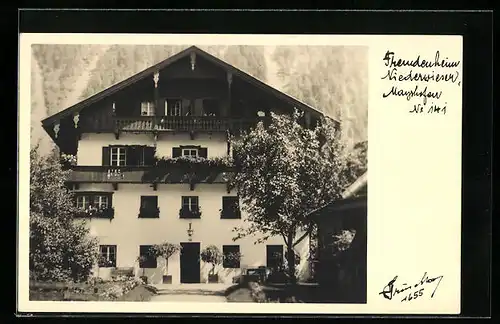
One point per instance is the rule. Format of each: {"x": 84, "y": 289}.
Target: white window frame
{"x": 189, "y": 151}
{"x": 190, "y": 202}
{"x": 116, "y": 154}
{"x": 147, "y": 108}
{"x": 107, "y": 251}
{"x": 101, "y": 201}
{"x": 82, "y": 202}
{"x": 176, "y": 110}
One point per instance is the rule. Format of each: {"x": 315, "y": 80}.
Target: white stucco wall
{"x": 90, "y": 146}
{"x": 128, "y": 232}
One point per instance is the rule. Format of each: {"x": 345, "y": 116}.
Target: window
{"x": 274, "y": 256}
{"x": 231, "y": 256}
{"x": 230, "y": 208}
{"x": 107, "y": 256}
{"x": 190, "y": 152}
{"x": 147, "y": 260}
{"x": 210, "y": 107}
{"x": 149, "y": 207}
{"x": 118, "y": 156}
{"x": 190, "y": 207}
{"x": 82, "y": 202}
{"x": 190, "y": 203}
{"x": 173, "y": 107}
{"x": 101, "y": 202}
{"x": 147, "y": 109}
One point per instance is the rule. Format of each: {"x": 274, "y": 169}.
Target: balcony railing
{"x": 146, "y": 174}
{"x": 183, "y": 123}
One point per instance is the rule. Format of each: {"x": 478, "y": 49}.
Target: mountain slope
{"x": 332, "y": 79}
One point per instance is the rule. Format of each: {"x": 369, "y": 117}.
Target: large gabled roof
{"x": 172, "y": 59}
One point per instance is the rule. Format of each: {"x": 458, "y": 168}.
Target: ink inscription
{"x": 420, "y": 79}
{"x": 395, "y": 289}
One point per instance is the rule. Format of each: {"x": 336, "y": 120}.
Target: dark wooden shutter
{"x": 203, "y": 152}
{"x": 106, "y": 155}
{"x": 149, "y": 154}
{"x": 132, "y": 155}
{"x": 176, "y": 152}
{"x": 110, "y": 200}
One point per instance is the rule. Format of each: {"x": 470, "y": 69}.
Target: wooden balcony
{"x": 183, "y": 123}
{"x": 145, "y": 174}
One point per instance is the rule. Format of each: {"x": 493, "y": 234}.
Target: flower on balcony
{"x": 97, "y": 212}
{"x": 68, "y": 159}
{"x": 190, "y": 212}
{"x": 193, "y": 161}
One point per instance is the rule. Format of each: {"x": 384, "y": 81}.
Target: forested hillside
{"x": 332, "y": 79}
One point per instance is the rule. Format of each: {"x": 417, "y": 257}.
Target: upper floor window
{"x": 118, "y": 156}
{"x": 190, "y": 207}
{"x": 149, "y": 207}
{"x": 101, "y": 201}
{"x": 82, "y": 202}
{"x": 97, "y": 200}
{"x": 190, "y": 202}
{"x": 230, "y": 208}
{"x": 173, "y": 107}
{"x": 190, "y": 152}
{"x": 132, "y": 155}
{"x": 147, "y": 108}
{"x": 193, "y": 151}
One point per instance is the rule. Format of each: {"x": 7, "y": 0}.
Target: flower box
{"x": 190, "y": 213}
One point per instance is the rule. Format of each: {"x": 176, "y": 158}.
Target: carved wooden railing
{"x": 183, "y": 123}
{"x": 142, "y": 174}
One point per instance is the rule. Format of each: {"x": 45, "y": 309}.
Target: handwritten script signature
{"x": 409, "y": 292}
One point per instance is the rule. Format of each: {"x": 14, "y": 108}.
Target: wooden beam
{"x": 191, "y": 186}
{"x": 155, "y": 186}
{"x": 191, "y": 135}
{"x": 115, "y": 186}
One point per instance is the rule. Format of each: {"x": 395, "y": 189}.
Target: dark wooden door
{"x": 190, "y": 263}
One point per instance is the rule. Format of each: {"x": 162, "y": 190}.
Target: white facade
{"x": 127, "y": 231}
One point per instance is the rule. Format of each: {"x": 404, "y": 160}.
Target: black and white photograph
{"x": 203, "y": 173}
{"x": 229, "y": 173}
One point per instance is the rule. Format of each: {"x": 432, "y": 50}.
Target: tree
{"x": 211, "y": 254}
{"x": 283, "y": 172}
{"x": 60, "y": 247}
{"x": 165, "y": 250}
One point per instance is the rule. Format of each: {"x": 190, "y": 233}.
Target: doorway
{"x": 190, "y": 262}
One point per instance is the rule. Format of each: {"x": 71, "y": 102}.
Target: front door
{"x": 190, "y": 263}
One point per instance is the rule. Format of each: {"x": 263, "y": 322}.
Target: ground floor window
{"x": 274, "y": 256}
{"x": 147, "y": 260}
{"x": 231, "y": 256}
{"x": 107, "y": 256}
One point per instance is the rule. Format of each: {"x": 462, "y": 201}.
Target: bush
{"x": 61, "y": 248}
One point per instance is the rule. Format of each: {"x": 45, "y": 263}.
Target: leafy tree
{"x": 283, "y": 172}
{"x": 211, "y": 254}
{"x": 165, "y": 250}
{"x": 60, "y": 247}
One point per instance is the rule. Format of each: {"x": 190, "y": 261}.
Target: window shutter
{"x": 132, "y": 155}
{"x": 110, "y": 200}
{"x": 149, "y": 154}
{"x": 203, "y": 152}
{"x": 176, "y": 152}
{"x": 106, "y": 155}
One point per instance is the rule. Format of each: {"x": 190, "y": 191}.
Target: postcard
{"x": 185, "y": 173}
